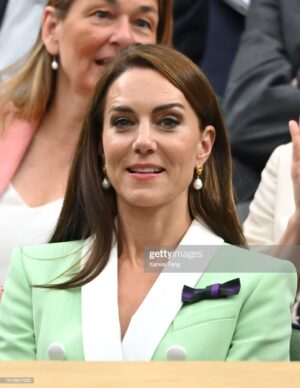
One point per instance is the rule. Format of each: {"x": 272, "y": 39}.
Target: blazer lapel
{"x": 13, "y": 147}
{"x": 154, "y": 316}
{"x": 101, "y": 332}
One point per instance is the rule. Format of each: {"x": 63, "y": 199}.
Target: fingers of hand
{"x": 295, "y": 134}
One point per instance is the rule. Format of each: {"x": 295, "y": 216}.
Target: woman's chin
{"x": 144, "y": 201}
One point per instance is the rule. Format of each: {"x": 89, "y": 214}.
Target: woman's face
{"x": 92, "y": 33}
{"x": 151, "y": 140}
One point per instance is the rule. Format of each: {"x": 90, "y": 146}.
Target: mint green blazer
{"x": 253, "y": 325}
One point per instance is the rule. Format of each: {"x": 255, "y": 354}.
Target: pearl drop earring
{"x": 105, "y": 183}
{"x": 54, "y": 64}
{"x": 198, "y": 182}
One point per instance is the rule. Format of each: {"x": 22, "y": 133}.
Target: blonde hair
{"x": 28, "y": 93}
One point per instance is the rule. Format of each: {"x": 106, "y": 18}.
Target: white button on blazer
{"x": 176, "y": 353}
{"x": 56, "y": 352}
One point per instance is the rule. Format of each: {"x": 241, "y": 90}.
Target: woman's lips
{"x": 145, "y": 172}
{"x": 103, "y": 61}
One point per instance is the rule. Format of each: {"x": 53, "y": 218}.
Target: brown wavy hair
{"x": 89, "y": 210}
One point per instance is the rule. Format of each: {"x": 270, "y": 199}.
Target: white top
{"x": 21, "y": 224}
{"x": 273, "y": 202}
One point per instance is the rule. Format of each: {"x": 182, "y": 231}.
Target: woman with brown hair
{"x": 43, "y": 106}
{"x": 149, "y": 193}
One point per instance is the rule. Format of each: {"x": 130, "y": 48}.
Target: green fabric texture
{"x": 253, "y": 325}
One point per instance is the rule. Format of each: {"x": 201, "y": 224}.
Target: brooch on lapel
{"x": 214, "y": 291}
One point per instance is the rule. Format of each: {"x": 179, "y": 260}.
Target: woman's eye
{"x": 121, "y": 123}
{"x": 102, "y": 14}
{"x": 143, "y": 23}
{"x": 169, "y": 122}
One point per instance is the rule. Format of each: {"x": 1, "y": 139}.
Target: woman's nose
{"x": 122, "y": 35}
{"x": 144, "y": 143}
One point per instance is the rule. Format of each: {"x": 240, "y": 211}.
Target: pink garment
{"x": 13, "y": 147}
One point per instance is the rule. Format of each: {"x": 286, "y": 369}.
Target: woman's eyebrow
{"x": 167, "y": 106}
{"x": 121, "y": 108}
{"x": 112, "y": 2}
{"x": 147, "y": 9}
{"x": 142, "y": 8}
{"x": 127, "y": 109}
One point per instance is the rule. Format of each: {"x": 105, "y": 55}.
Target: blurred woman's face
{"x": 92, "y": 33}
{"x": 152, "y": 140}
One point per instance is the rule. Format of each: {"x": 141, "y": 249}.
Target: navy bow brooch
{"x": 214, "y": 291}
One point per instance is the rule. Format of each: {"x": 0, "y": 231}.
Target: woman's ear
{"x": 50, "y": 28}
{"x": 206, "y": 142}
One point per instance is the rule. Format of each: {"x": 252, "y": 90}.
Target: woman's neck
{"x": 64, "y": 118}
{"x": 141, "y": 228}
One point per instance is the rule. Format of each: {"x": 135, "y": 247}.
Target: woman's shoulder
{"x": 282, "y": 153}
{"x": 50, "y": 251}
{"x": 232, "y": 258}
{"x": 10, "y": 126}
{"x": 7, "y": 117}
{"x": 43, "y": 263}
{"x": 256, "y": 271}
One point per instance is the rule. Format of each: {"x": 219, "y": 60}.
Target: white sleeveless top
{"x": 21, "y": 224}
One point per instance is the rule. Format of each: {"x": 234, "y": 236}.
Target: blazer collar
{"x": 100, "y": 314}
{"x": 13, "y": 146}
